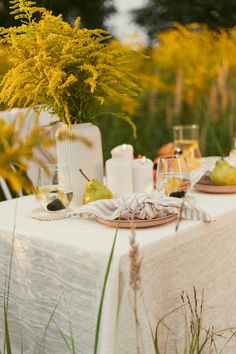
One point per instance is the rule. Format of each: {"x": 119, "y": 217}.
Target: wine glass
{"x": 173, "y": 176}
{"x": 54, "y": 190}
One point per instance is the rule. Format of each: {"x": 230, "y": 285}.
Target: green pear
{"x": 223, "y": 174}
{"x": 95, "y": 190}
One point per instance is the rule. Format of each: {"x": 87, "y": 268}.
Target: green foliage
{"x": 159, "y": 15}
{"x": 68, "y": 70}
{"x": 93, "y": 12}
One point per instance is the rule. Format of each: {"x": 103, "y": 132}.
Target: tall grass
{"x": 189, "y": 77}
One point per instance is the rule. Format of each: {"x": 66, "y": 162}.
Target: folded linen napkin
{"x": 207, "y": 164}
{"x": 140, "y": 206}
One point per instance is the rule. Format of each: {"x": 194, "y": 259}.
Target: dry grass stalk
{"x": 222, "y": 85}
{"x": 199, "y": 340}
{"x": 180, "y": 217}
{"x": 213, "y": 103}
{"x": 178, "y": 100}
{"x": 135, "y": 280}
{"x": 135, "y": 263}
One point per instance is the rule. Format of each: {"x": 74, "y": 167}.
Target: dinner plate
{"x": 137, "y": 223}
{"x": 209, "y": 188}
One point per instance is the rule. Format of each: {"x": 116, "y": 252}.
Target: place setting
{"x": 128, "y": 196}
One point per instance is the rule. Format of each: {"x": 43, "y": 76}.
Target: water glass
{"x": 54, "y": 190}
{"x": 173, "y": 176}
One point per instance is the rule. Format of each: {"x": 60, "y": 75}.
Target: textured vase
{"x": 80, "y": 147}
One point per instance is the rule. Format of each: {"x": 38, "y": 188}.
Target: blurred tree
{"x": 93, "y": 13}
{"x": 159, "y": 15}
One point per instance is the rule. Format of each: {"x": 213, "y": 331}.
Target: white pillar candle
{"x": 119, "y": 177}
{"x": 143, "y": 175}
{"x": 124, "y": 151}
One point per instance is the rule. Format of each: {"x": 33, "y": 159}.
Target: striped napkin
{"x": 142, "y": 207}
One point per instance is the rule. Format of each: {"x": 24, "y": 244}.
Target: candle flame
{"x": 124, "y": 147}
{"x": 143, "y": 159}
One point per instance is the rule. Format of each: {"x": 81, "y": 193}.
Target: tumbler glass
{"x": 54, "y": 190}
{"x": 173, "y": 176}
{"x": 186, "y": 140}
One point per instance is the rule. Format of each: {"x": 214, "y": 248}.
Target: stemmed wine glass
{"x": 173, "y": 176}
{"x": 54, "y": 190}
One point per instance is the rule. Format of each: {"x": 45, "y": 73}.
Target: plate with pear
{"x": 221, "y": 180}
{"x": 95, "y": 190}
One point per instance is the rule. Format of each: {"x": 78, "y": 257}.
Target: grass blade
{"x": 21, "y": 346}
{"x": 8, "y": 282}
{"x": 125, "y": 117}
{"x": 49, "y": 321}
{"x": 99, "y": 317}
{"x": 7, "y": 334}
{"x": 72, "y": 339}
{"x": 63, "y": 335}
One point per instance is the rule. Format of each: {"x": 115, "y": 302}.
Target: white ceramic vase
{"x": 80, "y": 147}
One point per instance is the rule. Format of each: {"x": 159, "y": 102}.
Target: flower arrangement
{"x": 63, "y": 68}
{"x": 16, "y": 152}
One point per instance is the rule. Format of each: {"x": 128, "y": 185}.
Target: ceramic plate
{"x": 137, "y": 223}
{"x": 209, "y": 188}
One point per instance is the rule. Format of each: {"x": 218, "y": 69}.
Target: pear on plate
{"x": 95, "y": 190}
{"x": 223, "y": 174}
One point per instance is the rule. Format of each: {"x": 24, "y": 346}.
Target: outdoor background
{"x": 186, "y": 67}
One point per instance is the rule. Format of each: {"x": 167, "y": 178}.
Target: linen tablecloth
{"x": 60, "y": 265}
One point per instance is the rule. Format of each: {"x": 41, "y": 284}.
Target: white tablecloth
{"x": 61, "y": 264}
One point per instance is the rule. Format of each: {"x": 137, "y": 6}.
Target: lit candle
{"x": 119, "y": 177}
{"x": 124, "y": 151}
{"x": 143, "y": 175}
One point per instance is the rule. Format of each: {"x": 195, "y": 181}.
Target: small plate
{"x": 137, "y": 223}
{"x": 204, "y": 185}
{"x": 209, "y": 188}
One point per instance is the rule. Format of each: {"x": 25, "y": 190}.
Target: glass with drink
{"x": 186, "y": 142}
{"x": 54, "y": 190}
{"x": 173, "y": 176}
{"x": 186, "y": 139}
